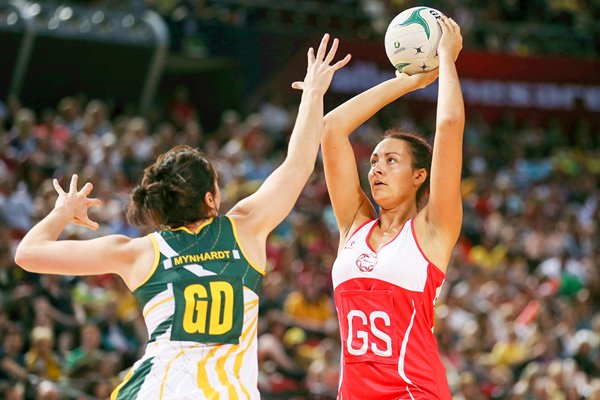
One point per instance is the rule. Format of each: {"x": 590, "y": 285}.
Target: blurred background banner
{"x": 54, "y": 50}
{"x": 492, "y": 83}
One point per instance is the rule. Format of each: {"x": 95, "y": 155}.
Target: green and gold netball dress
{"x": 200, "y": 304}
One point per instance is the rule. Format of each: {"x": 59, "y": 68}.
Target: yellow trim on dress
{"x": 156, "y": 260}
{"x": 185, "y": 228}
{"x": 168, "y": 367}
{"x": 222, "y": 374}
{"x": 157, "y": 304}
{"x": 202, "y": 379}
{"x": 236, "y": 236}
{"x": 115, "y": 393}
{"x": 237, "y": 364}
{"x": 164, "y": 379}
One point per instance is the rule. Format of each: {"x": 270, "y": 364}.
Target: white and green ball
{"x": 412, "y": 39}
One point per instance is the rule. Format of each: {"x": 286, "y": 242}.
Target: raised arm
{"x": 350, "y": 204}
{"x": 444, "y": 210}
{"x": 40, "y": 251}
{"x": 262, "y": 211}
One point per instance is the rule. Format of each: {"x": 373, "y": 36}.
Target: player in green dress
{"x": 198, "y": 275}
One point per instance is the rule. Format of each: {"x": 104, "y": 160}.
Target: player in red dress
{"x": 391, "y": 264}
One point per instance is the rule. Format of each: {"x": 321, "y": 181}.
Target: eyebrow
{"x": 386, "y": 154}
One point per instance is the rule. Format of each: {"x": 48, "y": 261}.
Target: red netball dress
{"x": 385, "y": 302}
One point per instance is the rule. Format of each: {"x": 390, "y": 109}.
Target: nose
{"x": 376, "y": 168}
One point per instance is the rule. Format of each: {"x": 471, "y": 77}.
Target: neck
{"x": 195, "y": 225}
{"x": 393, "y": 219}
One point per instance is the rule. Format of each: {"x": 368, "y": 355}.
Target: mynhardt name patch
{"x": 206, "y": 256}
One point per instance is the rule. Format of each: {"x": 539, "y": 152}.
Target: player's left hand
{"x": 319, "y": 72}
{"x": 451, "y": 40}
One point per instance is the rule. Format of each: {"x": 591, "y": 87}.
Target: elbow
{"x": 306, "y": 171}
{"x": 451, "y": 122}
{"x": 300, "y": 168}
{"x": 23, "y": 257}
{"x": 328, "y": 125}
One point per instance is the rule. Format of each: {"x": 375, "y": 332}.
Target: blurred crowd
{"x": 517, "y": 318}
{"x": 515, "y": 26}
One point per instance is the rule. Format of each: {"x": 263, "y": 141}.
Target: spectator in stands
{"x": 12, "y": 357}
{"x": 181, "y": 110}
{"x": 40, "y": 360}
{"x": 275, "y": 354}
{"x": 310, "y": 306}
{"x": 47, "y": 391}
{"x": 84, "y": 361}
{"x": 510, "y": 352}
{"x": 55, "y": 300}
{"x": 12, "y": 391}
{"x": 69, "y": 111}
{"x": 95, "y": 117}
{"x": 323, "y": 373}
{"x": 21, "y": 138}
{"x": 16, "y": 204}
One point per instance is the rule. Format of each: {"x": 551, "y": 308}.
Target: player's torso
{"x": 385, "y": 303}
{"x": 200, "y": 305}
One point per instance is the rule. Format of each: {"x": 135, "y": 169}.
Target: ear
{"x": 420, "y": 175}
{"x": 209, "y": 199}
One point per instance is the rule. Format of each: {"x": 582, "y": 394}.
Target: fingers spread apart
{"x": 73, "y": 186}
{"x": 57, "y": 186}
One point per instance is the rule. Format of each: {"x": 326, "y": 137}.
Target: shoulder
{"x": 140, "y": 243}
{"x": 140, "y": 256}
{"x": 128, "y": 251}
{"x": 133, "y": 246}
{"x": 242, "y": 224}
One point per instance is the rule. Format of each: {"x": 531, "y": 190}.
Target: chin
{"x": 378, "y": 201}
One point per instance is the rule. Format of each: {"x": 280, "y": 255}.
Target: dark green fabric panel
{"x": 132, "y": 387}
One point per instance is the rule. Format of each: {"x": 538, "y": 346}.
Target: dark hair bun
{"x": 139, "y": 194}
{"x": 172, "y": 190}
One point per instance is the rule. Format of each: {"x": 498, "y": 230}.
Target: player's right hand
{"x": 420, "y": 80}
{"x": 76, "y": 202}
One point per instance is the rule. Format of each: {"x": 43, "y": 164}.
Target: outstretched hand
{"x": 319, "y": 72}
{"x": 76, "y": 202}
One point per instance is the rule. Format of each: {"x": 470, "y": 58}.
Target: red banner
{"x": 492, "y": 83}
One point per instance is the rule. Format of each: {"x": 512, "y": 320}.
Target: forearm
{"x": 344, "y": 119}
{"x": 450, "y": 122}
{"x": 445, "y": 208}
{"x": 64, "y": 319}
{"x": 306, "y": 135}
{"x": 48, "y": 229}
{"x": 12, "y": 368}
{"x": 450, "y": 108}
